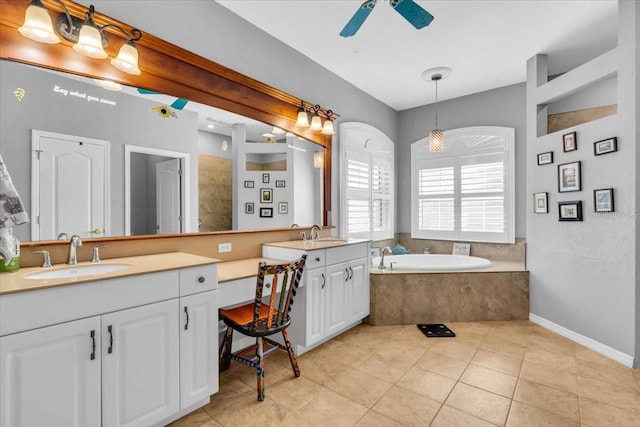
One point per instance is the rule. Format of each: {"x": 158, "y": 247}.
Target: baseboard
{"x": 594, "y": 345}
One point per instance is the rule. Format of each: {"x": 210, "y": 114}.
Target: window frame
{"x": 460, "y": 147}
{"x": 366, "y": 144}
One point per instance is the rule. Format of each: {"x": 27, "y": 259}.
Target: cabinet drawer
{"x": 198, "y": 279}
{"x": 315, "y": 259}
{"x": 346, "y": 253}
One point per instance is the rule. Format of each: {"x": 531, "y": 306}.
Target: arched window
{"x": 367, "y": 182}
{"x": 465, "y": 192}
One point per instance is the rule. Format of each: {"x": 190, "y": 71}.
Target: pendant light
{"x": 37, "y": 24}
{"x": 316, "y": 121}
{"x": 327, "y": 128}
{"x": 302, "y": 118}
{"x": 436, "y": 136}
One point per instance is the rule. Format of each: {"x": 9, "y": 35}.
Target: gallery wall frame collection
{"x": 266, "y": 196}
{"x": 570, "y": 180}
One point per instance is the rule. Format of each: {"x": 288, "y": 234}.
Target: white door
{"x": 70, "y": 186}
{"x": 358, "y": 301}
{"x": 168, "y": 215}
{"x": 198, "y": 347}
{"x": 336, "y": 295}
{"x": 140, "y": 365}
{"x": 315, "y": 283}
{"x": 49, "y": 378}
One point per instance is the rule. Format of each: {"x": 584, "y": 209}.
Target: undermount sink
{"x": 77, "y": 271}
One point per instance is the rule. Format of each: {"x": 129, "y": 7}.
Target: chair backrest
{"x": 284, "y": 280}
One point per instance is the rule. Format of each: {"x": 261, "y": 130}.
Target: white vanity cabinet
{"x": 133, "y": 351}
{"x": 334, "y": 293}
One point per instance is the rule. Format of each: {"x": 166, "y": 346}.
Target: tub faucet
{"x": 388, "y": 250}
{"x": 75, "y": 242}
{"x": 314, "y": 233}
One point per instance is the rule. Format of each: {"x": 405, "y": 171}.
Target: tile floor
{"x": 491, "y": 373}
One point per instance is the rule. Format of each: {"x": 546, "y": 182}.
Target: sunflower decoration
{"x": 164, "y": 111}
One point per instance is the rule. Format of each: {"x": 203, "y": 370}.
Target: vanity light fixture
{"x": 317, "y": 159}
{"x": 327, "y": 128}
{"x": 302, "y": 119}
{"x": 316, "y": 121}
{"x": 436, "y": 136}
{"x": 277, "y": 131}
{"x": 88, "y": 38}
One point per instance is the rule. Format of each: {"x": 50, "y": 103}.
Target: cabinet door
{"x": 198, "y": 347}
{"x": 49, "y": 378}
{"x": 358, "y": 290}
{"x": 315, "y": 282}
{"x": 140, "y": 384}
{"x": 336, "y": 296}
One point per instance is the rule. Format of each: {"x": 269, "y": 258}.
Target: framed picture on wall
{"x": 545, "y": 158}
{"x": 603, "y": 200}
{"x": 569, "y": 177}
{"x": 569, "y": 142}
{"x": 249, "y": 208}
{"x": 266, "y": 212}
{"x": 540, "y": 203}
{"x": 283, "y": 207}
{"x": 605, "y": 146}
{"x": 248, "y": 184}
{"x": 570, "y": 211}
{"x": 266, "y": 195}
{"x": 266, "y": 178}
{"x": 281, "y": 183}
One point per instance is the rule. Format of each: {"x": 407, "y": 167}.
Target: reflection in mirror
{"x": 266, "y": 162}
{"x": 214, "y": 140}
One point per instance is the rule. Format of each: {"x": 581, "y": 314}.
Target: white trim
{"x": 185, "y": 187}
{"x": 594, "y": 345}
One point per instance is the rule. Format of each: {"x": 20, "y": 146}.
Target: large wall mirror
{"x": 169, "y": 163}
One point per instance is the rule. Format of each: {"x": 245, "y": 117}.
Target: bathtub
{"x": 432, "y": 262}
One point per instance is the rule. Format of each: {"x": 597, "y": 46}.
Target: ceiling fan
{"x": 410, "y": 10}
{"x": 178, "y": 104}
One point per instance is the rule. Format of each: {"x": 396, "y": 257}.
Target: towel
{"x": 11, "y": 213}
{"x": 11, "y": 208}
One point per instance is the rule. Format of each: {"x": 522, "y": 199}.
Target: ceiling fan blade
{"x": 412, "y": 12}
{"x": 146, "y": 92}
{"x": 179, "y": 103}
{"x": 358, "y": 18}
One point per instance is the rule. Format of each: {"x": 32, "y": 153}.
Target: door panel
{"x": 48, "y": 378}
{"x": 336, "y": 293}
{"x": 168, "y": 196}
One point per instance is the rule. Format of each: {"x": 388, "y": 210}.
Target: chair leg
{"x": 260, "y": 367}
{"x": 225, "y": 349}
{"x": 292, "y": 357}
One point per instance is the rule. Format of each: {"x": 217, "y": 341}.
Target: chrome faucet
{"x": 314, "y": 236}
{"x": 75, "y": 242}
{"x": 63, "y": 236}
{"x": 388, "y": 250}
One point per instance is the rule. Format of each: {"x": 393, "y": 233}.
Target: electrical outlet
{"x": 224, "y": 247}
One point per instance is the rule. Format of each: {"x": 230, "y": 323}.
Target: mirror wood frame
{"x": 166, "y": 68}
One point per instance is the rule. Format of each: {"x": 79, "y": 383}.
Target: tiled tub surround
{"x": 500, "y": 292}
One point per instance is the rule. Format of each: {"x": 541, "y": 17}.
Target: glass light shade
{"x": 316, "y": 122}
{"x": 90, "y": 42}
{"x": 327, "y": 129}
{"x": 127, "y": 59}
{"x": 317, "y": 159}
{"x": 277, "y": 131}
{"x": 108, "y": 85}
{"x": 37, "y": 25}
{"x": 436, "y": 141}
{"x": 303, "y": 119}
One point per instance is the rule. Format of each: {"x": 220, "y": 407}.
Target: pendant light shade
{"x": 37, "y": 24}
{"x": 302, "y": 119}
{"x": 127, "y": 59}
{"x": 436, "y": 136}
{"x": 327, "y": 129}
{"x": 90, "y": 42}
{"x": 316, "y": 122}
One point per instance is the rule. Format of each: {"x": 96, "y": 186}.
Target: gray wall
{"x": 131, "y": 121}
{"x": 212, "y": 31}
{"x": 584, "y": 275}
{"x": 499, "y": 107}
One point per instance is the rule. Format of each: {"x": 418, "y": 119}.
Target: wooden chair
{"x": 261, "y": 320}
